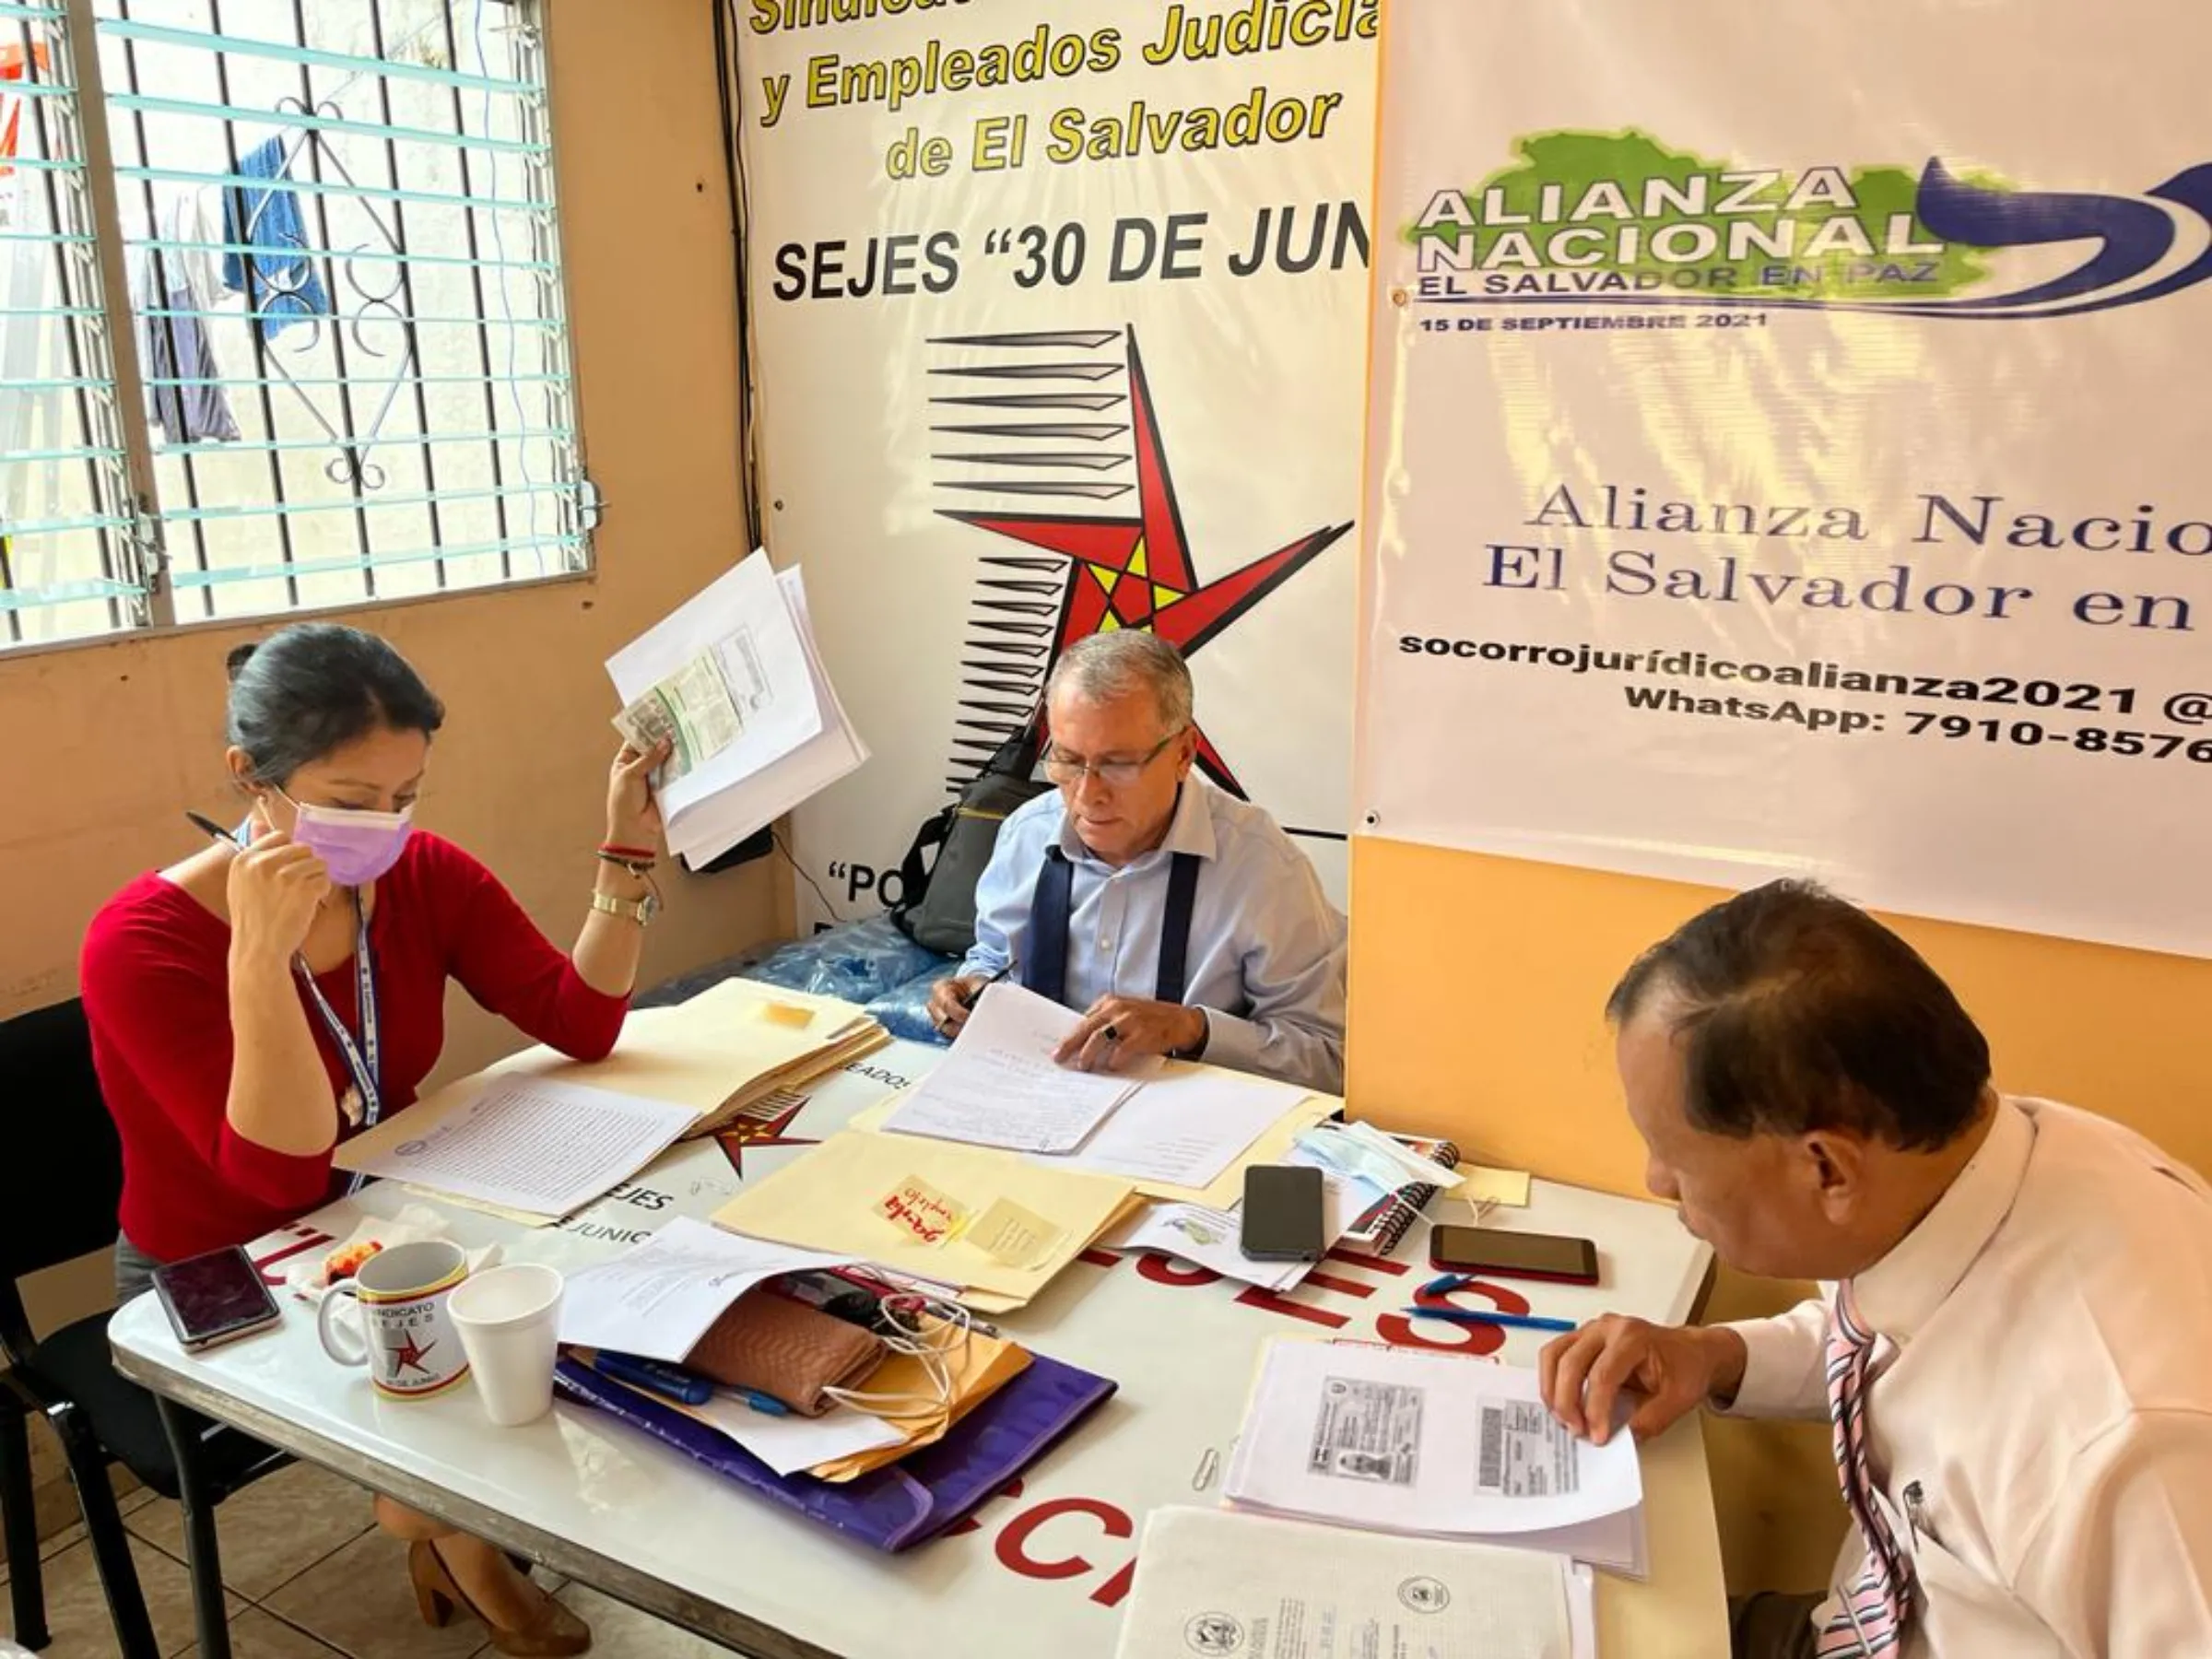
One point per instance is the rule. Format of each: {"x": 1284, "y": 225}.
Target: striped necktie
{"x": 1877, "y": 1602}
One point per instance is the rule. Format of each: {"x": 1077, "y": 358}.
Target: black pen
{"x": 210, "y": 827}
{"x": 966, "y": 998}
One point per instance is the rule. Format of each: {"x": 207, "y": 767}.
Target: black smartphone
{"x": 215, "y": 1299}
{"x": 1282, "y": 1214}
{"x": 1514, "y": 1254}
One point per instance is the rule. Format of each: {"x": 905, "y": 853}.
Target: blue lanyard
{"x": 361, "y": 1058}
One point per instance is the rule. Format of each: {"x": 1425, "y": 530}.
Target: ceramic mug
{"x": 406, "y": 1337}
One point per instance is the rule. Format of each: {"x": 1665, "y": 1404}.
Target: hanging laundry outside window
{"x": 285, "y": 287}
{"x": 175, "y": 347}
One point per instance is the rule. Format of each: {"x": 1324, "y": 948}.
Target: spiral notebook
{"x": 1379, "y": 1228}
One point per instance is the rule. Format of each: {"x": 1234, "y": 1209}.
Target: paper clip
{"x": 1208, "y": 1465}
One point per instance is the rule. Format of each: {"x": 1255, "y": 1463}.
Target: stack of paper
{"x": 1212, "y": 1583}
{"x": 992, "y": 1230}
{"x": 1400, "y": 1440}
{"x": 791, "y": 1442}
{"x": 1001, "y": 1087}
{"x": 535, "y": 1148}
{"x": 733, "y": 680}
{"x": 1187, "y": 1135}
{"x": 1186, "y": 1126}
{"x": 658, "y": 1300}
{"x": 732, "y": 1046}
{"x": 754, "y": 1042}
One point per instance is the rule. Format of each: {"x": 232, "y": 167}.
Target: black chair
{"x": 60, "y": 1195}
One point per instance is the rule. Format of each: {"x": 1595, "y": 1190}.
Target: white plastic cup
{"x": 507, "y": 1318}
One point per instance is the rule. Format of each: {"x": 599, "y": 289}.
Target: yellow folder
{"x": 727, "y": 1046}
{"x": 930, "y": 1210}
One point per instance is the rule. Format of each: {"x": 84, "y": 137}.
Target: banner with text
{"x": 1787, "y": 456}
{"x": 1060, "y": 310}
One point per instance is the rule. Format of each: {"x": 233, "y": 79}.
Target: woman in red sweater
{"x": 268, "y": 997}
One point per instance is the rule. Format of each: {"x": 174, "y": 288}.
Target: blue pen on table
{"x": 766, "y": 1404}
{"x": 1481, "y": 1316}
{"x": 669, "y": 1382}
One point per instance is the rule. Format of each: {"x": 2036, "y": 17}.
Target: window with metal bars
{"x": 281, "y": 322}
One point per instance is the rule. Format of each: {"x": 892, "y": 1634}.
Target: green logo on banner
{"x": 1589, "y": 213}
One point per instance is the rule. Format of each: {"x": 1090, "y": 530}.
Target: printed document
{"x": 710, "y": 827}
{"x": 728, "y": 679}
{"x": 1186, "y": 1126}
{"x": 1000, "y": 1085}
{"x": 658, "y": 1300}
{"x": 1220, "y": 1585}
{"x": 1401, "y": 1441}
{"x": 702, "y": 707}
{"x": 525, "y": 1143}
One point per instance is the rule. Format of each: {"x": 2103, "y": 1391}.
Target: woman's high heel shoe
{"x": 554, "y": 1633}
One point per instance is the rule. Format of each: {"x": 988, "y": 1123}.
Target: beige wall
{"x": 110, "y": 743}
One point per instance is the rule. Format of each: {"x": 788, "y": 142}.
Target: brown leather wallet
{"x": 782, "y": 1349}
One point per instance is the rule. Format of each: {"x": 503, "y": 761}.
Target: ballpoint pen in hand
{"x": 208, "y": 827}
{"x": 968, "y": 996}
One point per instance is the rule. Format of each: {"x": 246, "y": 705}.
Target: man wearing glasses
{"x": 1180, "y": 919}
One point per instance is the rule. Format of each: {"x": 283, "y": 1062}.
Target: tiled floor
{"x": 310, "y": 1578}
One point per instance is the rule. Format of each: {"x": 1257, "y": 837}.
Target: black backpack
{"x": 937, "y": 905}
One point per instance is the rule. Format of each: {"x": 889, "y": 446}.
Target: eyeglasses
{"x": 1115, "y": 774}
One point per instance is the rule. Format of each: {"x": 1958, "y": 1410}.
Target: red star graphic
{"x": 407, "y": 1357}
{"x": 1136, "y": 572}
{"x": 765, "y": 1133}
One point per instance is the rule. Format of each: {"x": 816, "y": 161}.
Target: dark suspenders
{"x": 1175, "y": 929}
{"x": 1045, "y": 964}
{"x": 1053, "y": 905}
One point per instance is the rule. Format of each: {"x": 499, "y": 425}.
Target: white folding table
{"x": 1043, "y": 1568}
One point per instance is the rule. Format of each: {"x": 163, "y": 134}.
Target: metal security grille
{"x": 346, "y": 362}
{"x": 70, "y": 557}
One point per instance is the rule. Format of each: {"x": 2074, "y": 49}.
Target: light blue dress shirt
{"x": 1267, "y": 957}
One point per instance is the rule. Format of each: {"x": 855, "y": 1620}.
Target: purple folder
{"x": 906, "y": 1502}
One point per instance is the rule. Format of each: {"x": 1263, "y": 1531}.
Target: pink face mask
{"x": 357, "y": 847}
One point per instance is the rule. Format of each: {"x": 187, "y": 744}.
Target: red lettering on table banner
{"x": 1013, "y": 1545}
{"x": 1358, "y": 1258}
{"x": 1110, "y": 1594}
{"x": 1167, "y": 1270}
{"x": 1342, "y": 1287}
{"x": 1400, "y": 1331}
{"x": 1274, "y": 1303}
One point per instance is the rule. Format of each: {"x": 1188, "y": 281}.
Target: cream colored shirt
{"x": 2039, "y": 1418}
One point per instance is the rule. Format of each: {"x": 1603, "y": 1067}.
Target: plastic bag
{"x": 858, "y": 962}
{"x": 905, "y": 1012}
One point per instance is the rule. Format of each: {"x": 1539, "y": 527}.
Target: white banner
{"x": 1787, "y": 451}
{"x": 1059, "y": 312}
